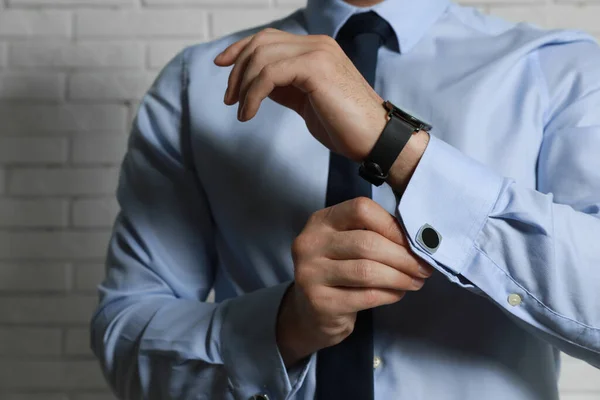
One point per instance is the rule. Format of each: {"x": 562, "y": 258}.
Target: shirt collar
{"x": 410, "y": 19}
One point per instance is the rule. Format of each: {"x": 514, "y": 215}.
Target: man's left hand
{"x": 311, "y": 75}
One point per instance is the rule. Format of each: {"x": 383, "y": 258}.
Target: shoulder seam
{"x": 452, "y": 11}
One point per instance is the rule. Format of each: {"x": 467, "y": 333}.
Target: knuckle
{"x": 299, "y": 246}
{"x": 361, "y": 207}
{"x": 304, "y": 244}
{"x": 364, "y": 243}
{"x": 319, "y": 56}
{"x": 370, "y": 298}
{"x": 259, "y": 52}
{"x": 326, "y": 39}
{"x": 261, "y": 34}
{"x": 267, "y": 71}
{"x": 365, "y": 272}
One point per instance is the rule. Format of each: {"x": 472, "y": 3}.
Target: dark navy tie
{"x": 345, "y": 371}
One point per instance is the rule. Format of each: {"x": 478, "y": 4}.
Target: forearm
{"x": 158, "y": 346}
{"x": 500, "y": 238}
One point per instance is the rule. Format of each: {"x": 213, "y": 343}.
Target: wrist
{"x": 407, "y": 161}
{"x": 289, "y": 332}
{"x": 378, "y": 120}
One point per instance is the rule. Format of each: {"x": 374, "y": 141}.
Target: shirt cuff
{"x": 453, "y": 195}
{"x": 249, "y": 348}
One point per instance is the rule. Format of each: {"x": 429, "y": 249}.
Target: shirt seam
{"x": 544, "y": 89}
{"x": 536, "y": 299}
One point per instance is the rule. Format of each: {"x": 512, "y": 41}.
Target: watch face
{"x": 412, "y": 120}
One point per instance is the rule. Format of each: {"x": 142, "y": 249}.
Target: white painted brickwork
{"x": 71, "y": 73}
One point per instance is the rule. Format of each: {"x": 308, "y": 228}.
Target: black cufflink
{"x": 429, "y": 238}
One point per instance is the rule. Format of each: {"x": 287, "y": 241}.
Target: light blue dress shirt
{"x": 510, "y": 180}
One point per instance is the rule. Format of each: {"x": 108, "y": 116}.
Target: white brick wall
{"x": 71, "y": 73}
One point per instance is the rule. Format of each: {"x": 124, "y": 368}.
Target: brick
{"x": 95, "y": 3}
{"x": 38, "y": 85}
{"x": 46, "y": 309}
{"x": 3, "y": 55}
{"x": 34, "y": 396}
{"x": 50, "y": 375}
{"x": 584, "y": 17}
{"x": 94, "y": 212}
{"x": 88, "y": 276}
{"x": 41, "y": 213}
{"x": 576, "y": 375}
{"x": 78, "y": 342}
{"x": 295, "y": 3}
{"x": 94, "y": 396}
{"x": 30, "y": 119}
{"x": 35, "y": 23}
{"x": 480, "y": 2}
{"x": 229, "y": 21}
{"x": 579, "y": 396}
{"x": 30, "y": 341}
{"x": 99, "y": 149}
{"x": 109, "y": 86}
{"x": 33, "y": 277}
{"x": 161, "y": 52}
{"x": 141, "y": 23}
{"x": 76, "y": 55}
{"x": 32, "y": 150}
{"x": 62, "y": 181}
{"x": 2, "y": 181}
{"x": 53, "y": 245}
{"x": 259, "y": 3}
{"x": 536, "y": 15}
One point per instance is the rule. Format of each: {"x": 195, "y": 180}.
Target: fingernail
{"x": 418, "y": 283}
{"x": 241, "y": 112}
{"x": 226, "y": 95}
{"x": 426, "y": 272}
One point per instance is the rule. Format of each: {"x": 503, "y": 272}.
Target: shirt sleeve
{"x": 533, "y": 252}
{"x": 154, "y": 333}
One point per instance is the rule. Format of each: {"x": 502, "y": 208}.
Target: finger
{"x": 241, "y": 56}
{"x": 364, "y": 244}
{"x": 338, "y": 300}
{"x": 364, "y": 213}
{"x": 291, "y": 71}
{"x": 228, "y": 56}
{"x": 266, "y": 55}
{"x": 369, "y": 274}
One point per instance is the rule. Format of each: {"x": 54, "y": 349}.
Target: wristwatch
{"x": 397, "y": 132}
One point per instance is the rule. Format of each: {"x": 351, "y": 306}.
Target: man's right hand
{"x": 349, "y": 257}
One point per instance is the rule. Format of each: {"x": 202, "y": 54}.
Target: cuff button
{"x": 429, "y": 238}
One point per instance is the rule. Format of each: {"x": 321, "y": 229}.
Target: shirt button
{"x": 376, "y": 362}
{"x": 259, "y": 397}
{"x": 514, "y": 299}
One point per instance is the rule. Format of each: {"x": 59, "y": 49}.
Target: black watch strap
{"x": 392, "y": 140}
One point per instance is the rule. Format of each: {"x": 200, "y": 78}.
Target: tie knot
{"x": 366, "y": 23}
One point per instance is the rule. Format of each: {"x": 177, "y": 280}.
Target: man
{"x": 456, "y": 265}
